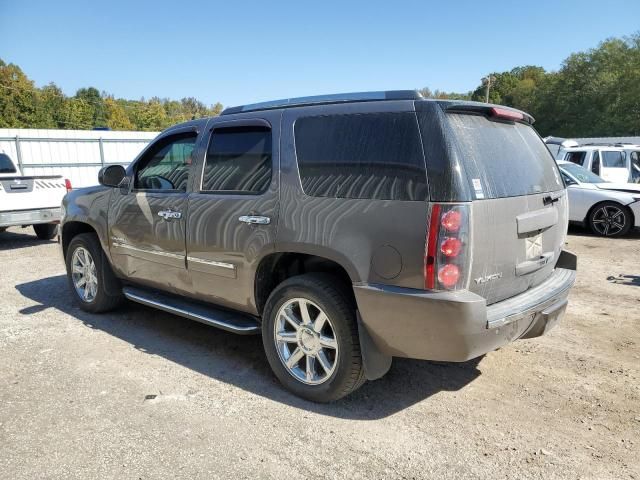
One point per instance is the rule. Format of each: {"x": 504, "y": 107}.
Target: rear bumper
{"x": 458, "y": 326}
{"x": 29, "y": 217}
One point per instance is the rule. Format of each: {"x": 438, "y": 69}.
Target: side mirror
{"x": 112, "y": 175}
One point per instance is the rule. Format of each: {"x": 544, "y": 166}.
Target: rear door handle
{"x": 169, "y": 214}
{"x": 255, "y": 219}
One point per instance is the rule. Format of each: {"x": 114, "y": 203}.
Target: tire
{"x": 87, "y": 246}
{"x": 46, "y": 231}
{"x": 321, "y": 293}
{"x": 610, "y": 219}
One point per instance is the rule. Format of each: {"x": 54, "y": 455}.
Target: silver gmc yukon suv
{"x": 347, "y": 229}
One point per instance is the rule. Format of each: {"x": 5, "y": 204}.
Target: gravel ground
{"x": 143, "y": 394}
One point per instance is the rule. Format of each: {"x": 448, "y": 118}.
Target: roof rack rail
{"x": 607, "y": 144}
{"x": 597, "y": 144}
{"x": 326, "y": 99}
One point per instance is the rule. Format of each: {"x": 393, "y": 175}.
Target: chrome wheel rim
{"x": 609, "y": 220}
{"x": 84, "y": 274}
{"x": 306, "y": 341}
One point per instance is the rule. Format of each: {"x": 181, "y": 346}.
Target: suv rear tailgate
{"x": 19, "y": 193}
{"x": 519, "y": 210}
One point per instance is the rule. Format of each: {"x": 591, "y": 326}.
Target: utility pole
{"x": 487, "y": 81}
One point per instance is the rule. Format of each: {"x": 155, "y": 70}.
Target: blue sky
{"x": 243, "y": 51}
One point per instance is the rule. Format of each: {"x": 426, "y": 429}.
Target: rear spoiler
{"x": 496, "y": 112}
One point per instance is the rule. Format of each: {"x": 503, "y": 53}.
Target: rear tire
{"x": 610, "y": 219}
{"x": 90, "y": 276}
{"x": 314, "y": 356}
{"x": 46, "y": 231}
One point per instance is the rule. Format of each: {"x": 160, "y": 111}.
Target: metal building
{"x": 74, "y": 154}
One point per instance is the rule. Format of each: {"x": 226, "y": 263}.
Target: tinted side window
{"x": 377, "y": 156}
{"x": 238, "y": 160}
{"x": 166, "y": 166}
{"x": 575, "y": 157}
{"x": 613, "y": 159}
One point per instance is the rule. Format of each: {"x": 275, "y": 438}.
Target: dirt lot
{"x": 143, "y": 394}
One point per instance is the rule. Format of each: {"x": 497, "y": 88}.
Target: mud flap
{"x": 567, "y": 260}
{"x": 376, "y": 364}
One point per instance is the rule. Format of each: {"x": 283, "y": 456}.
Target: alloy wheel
{"x": 306, "y": 342}
{"x": 84, "y": 274}
{"x": 609, "y": 220}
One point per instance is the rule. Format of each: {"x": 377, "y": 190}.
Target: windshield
{"x": 6, "y": 165}
{"x": 580, "y": 173}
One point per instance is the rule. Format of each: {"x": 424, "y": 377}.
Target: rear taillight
{"x": 67, "y": 185}
{"x": 446, "y": 262}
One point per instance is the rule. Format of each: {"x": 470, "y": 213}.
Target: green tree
{"x": 116, "y": 115}
{"x": 18, "y": 98}
{"x": 439, "y": 94}
{"x": 95, "y": 103}
{"x": 51, "y": 103}
{"x": 216, "y": 109}
{"x": 77, "y": 114}
{"x": 151, "y": 115}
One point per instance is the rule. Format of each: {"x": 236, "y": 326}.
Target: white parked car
{"x": 614, "y": 163}
{"x": 609, "y": 209}
{"x": 30, "y": 200}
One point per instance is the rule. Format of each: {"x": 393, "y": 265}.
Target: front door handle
{"x": 255, "y": 219}
{"x": 169, "y": 214}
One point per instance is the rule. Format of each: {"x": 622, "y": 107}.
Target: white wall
{"x": 82, "y": 149}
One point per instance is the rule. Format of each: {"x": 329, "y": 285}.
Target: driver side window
{"x": 166, "y": 166}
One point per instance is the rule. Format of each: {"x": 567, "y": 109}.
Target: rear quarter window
{"x": 502, "y": 159}
{"x": 373, "y": 155}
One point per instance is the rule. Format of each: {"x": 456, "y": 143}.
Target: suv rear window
{"x": 374, "y": 155}
{"x": 6, "y": 165}
{"x": 503, "y": 159}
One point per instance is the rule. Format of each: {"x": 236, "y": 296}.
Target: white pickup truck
{"x": 30, "y": 200}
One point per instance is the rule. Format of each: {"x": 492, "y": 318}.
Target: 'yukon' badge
{"x": 488, "y": 278}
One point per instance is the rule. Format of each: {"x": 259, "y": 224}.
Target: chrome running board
{"x": 226, "y": 320}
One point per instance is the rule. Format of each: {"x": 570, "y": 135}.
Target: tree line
{"x": 23, "y": 105}
{"x": 594, "y": 93}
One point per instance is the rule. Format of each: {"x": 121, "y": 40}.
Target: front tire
{"x": 310, "y": 337}
{"x": 610, "y": 219}
{"x": 46, "y": 231}
{"x": 90, "y": 276}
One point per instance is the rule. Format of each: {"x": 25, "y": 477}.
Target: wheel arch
{"x": 70, "y": 230}
{"x": 278, "y": 267}
{"x": 600, "y": 202}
